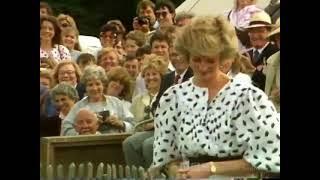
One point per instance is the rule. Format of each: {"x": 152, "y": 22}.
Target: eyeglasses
{"x": 111, "y": 36}
{"x": 66, "y": 72}
{"x": 64, "y": 25}
{"x": 161, "y": 13}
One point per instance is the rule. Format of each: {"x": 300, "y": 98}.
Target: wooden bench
{"x": 105, "y": 148}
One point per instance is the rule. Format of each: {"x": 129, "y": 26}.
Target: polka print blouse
{"x": 58, "y": 53}
{"x": 239, "y": 121}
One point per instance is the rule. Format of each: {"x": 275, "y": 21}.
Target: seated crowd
{"x": 185, "y": 86}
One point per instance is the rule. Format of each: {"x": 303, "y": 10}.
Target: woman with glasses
{"x": 68, "y": 71}
{"x": 138, "y": 147}
{"x": 108, "y": 35}
{"x": 50, "y": 40}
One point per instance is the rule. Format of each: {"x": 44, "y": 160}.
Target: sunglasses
{"x": 112, "y": 36}
{"x": 161, "y": 13}
{"x": 65, "y": 25}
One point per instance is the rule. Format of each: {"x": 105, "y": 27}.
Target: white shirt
{"x": 171, "y": 67}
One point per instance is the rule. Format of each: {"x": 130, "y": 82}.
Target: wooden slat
{"x": 141, "y": 173}
{"x": 128, "y": 172}
{"x": 60, "y": 174}
{"x": 114, "y": 171}
{"x": 100, "y": 170}
{"x": 49, "y": 173}
{"x": 71, "y": 171}
{"x": 134, "y": 172}
{"x": 121, "y": 171}
{"x": 81, "y": 170}
{"x": 89, "y": 170}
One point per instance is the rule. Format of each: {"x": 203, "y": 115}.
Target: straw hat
{"x": 260, "y": 19}
{"x": 276, "y": 29}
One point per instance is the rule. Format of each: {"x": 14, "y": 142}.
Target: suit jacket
{"x": 258, "y": 78}
{"x": 273, "y": 77}
{"x": 81, "y": 88}
{"x": 168, "y": 81}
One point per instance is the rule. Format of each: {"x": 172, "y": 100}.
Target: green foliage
{"x": 90, "y": 15}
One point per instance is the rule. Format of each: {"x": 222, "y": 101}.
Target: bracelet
{"x": 213, "y": 168}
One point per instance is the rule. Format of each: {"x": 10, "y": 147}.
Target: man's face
{"x": 148, "y": 12}
{"x": 132, "y": 67}
{"x": 258, "y": 36}
{"x": 160, "y": 48}
{"x": 179, "y": 62}
{"x": 86, "y": 122}
{"x": 164, "y": 16}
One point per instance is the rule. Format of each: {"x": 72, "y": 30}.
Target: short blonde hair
{"x": 107, "y": 50}
{"x": 62, "y": 63}
{"x": 207, "y": 36}
{"x": 69, "y": 30}
{"x": 154, "y": 62}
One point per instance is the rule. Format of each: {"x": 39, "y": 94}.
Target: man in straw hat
{"x": 258, "y": 30}
{"x": 272, "y": 87}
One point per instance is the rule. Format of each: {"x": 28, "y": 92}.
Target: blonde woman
{"x": 138, "y": 148}
{"x": 70, "y": 39}
{"x": 108, "y": 58}
{"x": 224, "y": 125}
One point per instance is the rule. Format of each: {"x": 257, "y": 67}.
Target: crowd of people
{"x": 200, "y": 94}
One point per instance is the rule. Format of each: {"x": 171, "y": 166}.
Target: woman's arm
{"x": 224, "y": 168}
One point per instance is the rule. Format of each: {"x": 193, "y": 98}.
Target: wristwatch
{"x": 213, "y": 168}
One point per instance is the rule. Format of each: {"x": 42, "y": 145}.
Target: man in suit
{"x": 182, "y": 73}
{"x": 258, "y": 30}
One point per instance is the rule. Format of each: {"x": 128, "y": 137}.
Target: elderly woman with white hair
{"x": 64, "y": 96}
{"x": 226, "y": 126}
{"x": 115, "y": 117}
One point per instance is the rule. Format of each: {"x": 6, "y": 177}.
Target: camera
{"x": 104, "y": 115}
{"x": 143, "y": 20}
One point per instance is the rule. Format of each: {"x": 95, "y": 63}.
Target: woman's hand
{"x": 196, "y": 171}
{"x": 115, "y": 121}
{"x": 148, "y": 126}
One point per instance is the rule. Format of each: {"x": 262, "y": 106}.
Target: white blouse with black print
{"x": 239, "y": 121}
